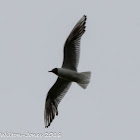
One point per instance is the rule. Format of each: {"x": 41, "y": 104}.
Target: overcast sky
{"x": 32, "y": 35}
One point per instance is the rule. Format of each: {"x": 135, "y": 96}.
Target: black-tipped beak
{"x": 50, "y": 71}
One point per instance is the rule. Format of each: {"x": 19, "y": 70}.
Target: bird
{"x": 67, "y": 73}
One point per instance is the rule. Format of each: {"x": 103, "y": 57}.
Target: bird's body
{"x": 67, "y": 73}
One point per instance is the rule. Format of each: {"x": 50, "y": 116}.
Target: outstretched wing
{"x": 72, "y": 45}
{"x": 55, "y": 94}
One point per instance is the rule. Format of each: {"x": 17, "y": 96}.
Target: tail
{"x": 85, "y": 79}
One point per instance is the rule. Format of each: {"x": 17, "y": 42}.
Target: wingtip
{"x": 85, "y": 16}
{"x": 47, "y": 126}
{"x": 56, "y": 113}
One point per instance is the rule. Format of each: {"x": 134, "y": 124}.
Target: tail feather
{"x": 85, "y": 79}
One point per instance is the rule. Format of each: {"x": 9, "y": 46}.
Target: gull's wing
{"x": 72, "y": 45}
{"x": 55, "y": 94}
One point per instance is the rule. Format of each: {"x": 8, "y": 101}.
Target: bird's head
{"x": 55, "y": 71}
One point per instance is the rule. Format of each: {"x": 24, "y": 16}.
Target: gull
{"x": 67, "y": 73}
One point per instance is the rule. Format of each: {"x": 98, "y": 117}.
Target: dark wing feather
{"x": 55, "y": 95}
{"x": 72, "y": 45}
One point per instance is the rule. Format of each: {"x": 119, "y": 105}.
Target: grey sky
{"x": 32, "y": 36}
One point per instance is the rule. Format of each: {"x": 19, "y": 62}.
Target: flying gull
{"x": 67, "y": 73}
